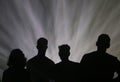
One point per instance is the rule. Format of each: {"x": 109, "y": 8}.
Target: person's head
{"x": 64, "y": 52}
{"x": 42, "y": 44}
{"x": 103, "y": 42}
{"x": 16, "y": 59}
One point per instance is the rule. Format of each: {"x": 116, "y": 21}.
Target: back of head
{"x": 42, "y": 44}
{"x": 16, "y": 58}
{"x": 103, "y": 41}
{"x": 64, "y": 51}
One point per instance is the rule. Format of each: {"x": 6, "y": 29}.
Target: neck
{"x": 101, "y": 50}
{"x": 41, "y": 53}
{"x": 65, "y": 60}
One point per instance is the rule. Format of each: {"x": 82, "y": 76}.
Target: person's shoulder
{"x": 90, "y": 53}
{"x": 112, "y": 56}
{"x": 8, "y": 71}
{"x": 49, "y": 60}
{"x": 115, "y": 60}
{"x": 94, "y": 52}
{"x": 32, "y": 59}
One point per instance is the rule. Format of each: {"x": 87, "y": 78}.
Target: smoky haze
{"x": 75, "y": 22}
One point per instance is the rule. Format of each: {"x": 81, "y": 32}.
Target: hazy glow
{"x": 76, "y": 22}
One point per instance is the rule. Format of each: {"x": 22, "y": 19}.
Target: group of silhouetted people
{"x": 97, "y": 66}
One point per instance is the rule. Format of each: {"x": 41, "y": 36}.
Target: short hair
{"x": 64, "y": 51}
{"x": 42, "y": 41}
{"x": 103, "y": 40}
{"x": 64, "y": 47}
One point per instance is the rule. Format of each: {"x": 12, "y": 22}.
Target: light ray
{"x": 74, "y": 22}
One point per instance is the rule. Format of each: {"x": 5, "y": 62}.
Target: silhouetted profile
{"x": 16, "y": 71}
{"x": 66, "y": 70}
{"x": 99, "y": 66}
{"x": 40, "y": 65}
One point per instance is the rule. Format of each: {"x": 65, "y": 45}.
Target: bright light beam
{"x": 75, "y": 22}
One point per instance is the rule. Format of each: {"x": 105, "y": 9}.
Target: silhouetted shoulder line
{"x": 90, "y": 53}
{"x": 111, "y": 56}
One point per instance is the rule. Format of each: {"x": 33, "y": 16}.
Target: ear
{"x": 108, "y": 45}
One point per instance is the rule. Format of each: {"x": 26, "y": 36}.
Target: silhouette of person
{"x": 66, "y": 70}
{"x": 16, "y": 71}
{"x": 40, "y": 65}
{"x": 99, "y": 66}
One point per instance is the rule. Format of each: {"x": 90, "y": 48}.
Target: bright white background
{"x": 74, "y": 22}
